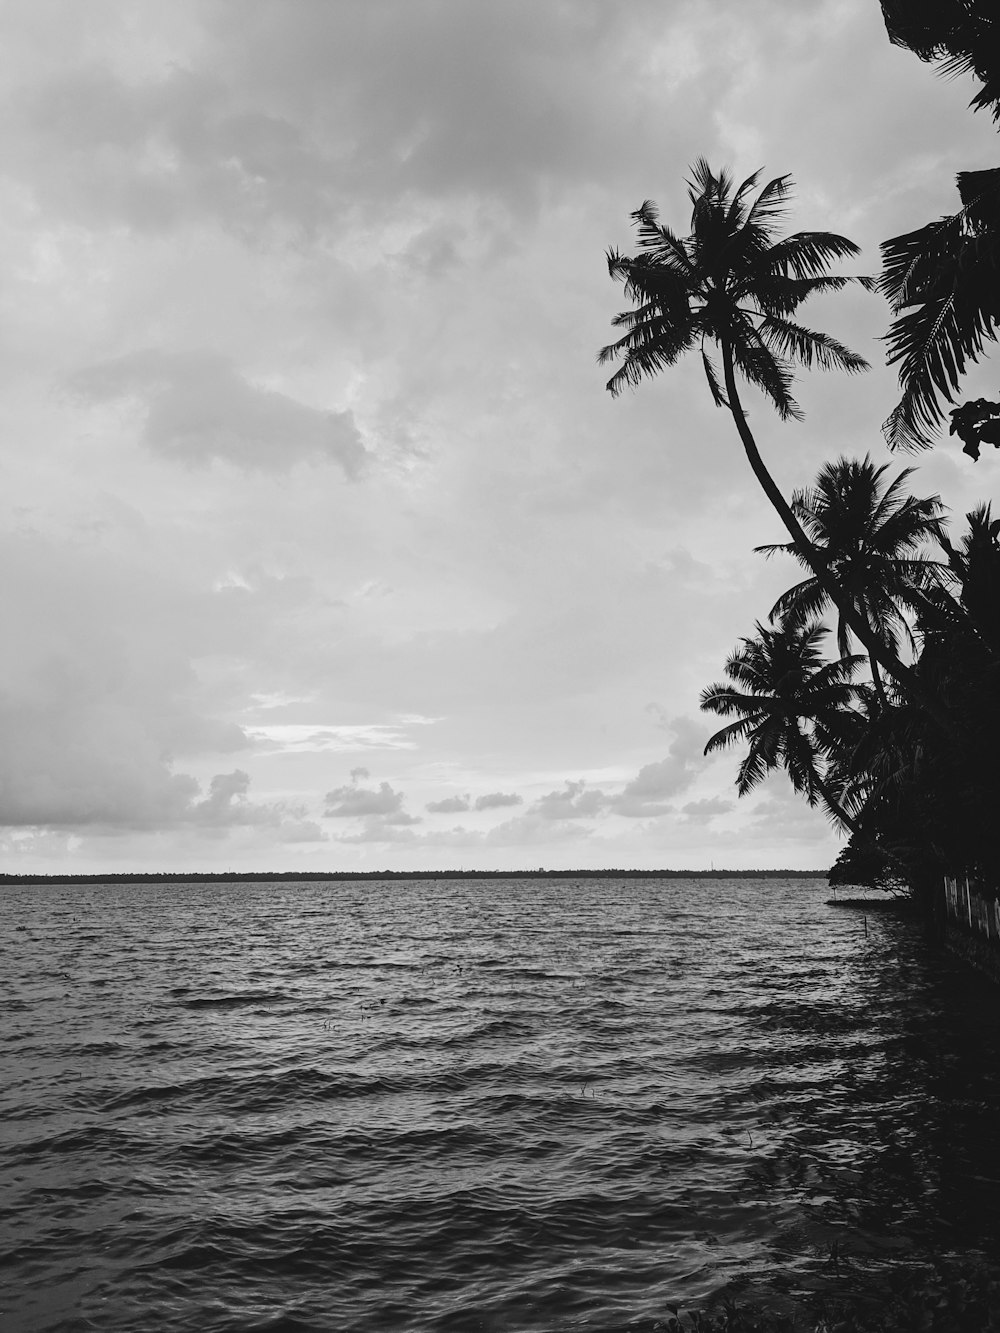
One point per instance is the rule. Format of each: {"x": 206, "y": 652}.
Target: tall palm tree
{"x": 778, "y": 686}
{"x": 873, "y": 536}
{"x": 733, "y": 285}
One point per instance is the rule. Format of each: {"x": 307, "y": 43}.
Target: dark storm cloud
{"x": 199, "y": 408}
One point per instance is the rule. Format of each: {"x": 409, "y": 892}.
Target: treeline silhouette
{"x": 873, "y": 681}
{"x": 299, "y": 876}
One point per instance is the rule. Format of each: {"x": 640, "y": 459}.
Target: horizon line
{"x": 180, "y": 876}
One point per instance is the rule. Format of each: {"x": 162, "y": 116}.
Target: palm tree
{"x": 733, "y": 285}
{"x": 873, "y": 536}
{"x": 946, "y": 276}
{"x": 960, "y": 623}
{"x": 959, "y": 33}
{"x": 778, "y": 681}
{"x": 943, "y": 284}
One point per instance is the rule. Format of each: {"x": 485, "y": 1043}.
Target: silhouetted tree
{"x": 962, "y": 34}
{"x": 874, "y": 537}
{"x": 926, "y": 802}
{"x": 778, "y": 686}
{"x": 943, "y": 284}
{"x": 943, "y": 280}
{"x": 733, "y": 285}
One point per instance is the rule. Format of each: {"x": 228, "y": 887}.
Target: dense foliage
{"x": 943, "y": 279}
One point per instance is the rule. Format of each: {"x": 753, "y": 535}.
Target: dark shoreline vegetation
{"x": 296, "y": 876}
{"x": 893, "y": 728}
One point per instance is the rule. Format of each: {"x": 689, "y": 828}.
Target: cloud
{"x": 780, "y": 815}
{"x": 355, "y": 801}
{"x": 573, "y": 802}
{"x": 701, "y": 812}
{"x": 64, "y": 779}
{"x": 389, "y": 829}
{"x": 198, "y": 408}
{"x": 451, "y": 805}
{"x": 227, "y": 806}
{"x": 159, "y": 151}
{"x": 102, "y": 700}
{"x": 497, "y": 800}
{"x": 649, "y": 791}
{"x": 265, "y": 117}
{"x": 309, "y": 738}
{"x": 527, "y": 830}
{"x": 286, "y": 241}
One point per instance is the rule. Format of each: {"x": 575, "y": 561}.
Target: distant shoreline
{"x": 277, "y": 876}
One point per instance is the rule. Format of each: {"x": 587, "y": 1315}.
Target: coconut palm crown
{"x": 779, "y": 688}
{"x": 732, "y": 284}
{"x": 874, "y": 537}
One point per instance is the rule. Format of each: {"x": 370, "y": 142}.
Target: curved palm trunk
{"x": 890, "y": 663}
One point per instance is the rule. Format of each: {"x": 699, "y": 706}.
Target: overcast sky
{"x": 323, "y": 545}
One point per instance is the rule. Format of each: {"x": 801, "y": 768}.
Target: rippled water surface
{"x": 495, "y": 1104}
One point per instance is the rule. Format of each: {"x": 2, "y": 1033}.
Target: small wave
{"x": 88, "y": 1139}
{"x": 234, "y": 1001}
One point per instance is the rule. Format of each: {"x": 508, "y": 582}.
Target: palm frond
{"x": 776, "y": 548}
{"x": 646, "y": 349}
{"x": 946, "y": 278}
{"x": 769, "y": 205}
{"x": 807, "y": 254}
{"x": 767, "y": 372}
{"x": 793, "y": 341}
{"x": 737, "y": 213}
{"x": 800, "y": 603}
{"x": 703, "y": 180}
{"x": 752, "y": 772}
{"x": 736, "y": 731}
{"x": 933, "y": 343}
{"x": 711, "y": 374}
{"x": 662, "y": 245}
{"x": 777, "y": 294}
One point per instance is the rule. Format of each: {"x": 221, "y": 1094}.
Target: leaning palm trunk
{"x": 877, "y": 650}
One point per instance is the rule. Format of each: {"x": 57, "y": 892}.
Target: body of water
{"x": 514, "y": 1104}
